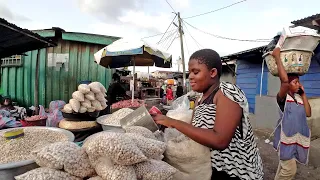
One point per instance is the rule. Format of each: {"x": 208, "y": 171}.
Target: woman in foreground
{"x": 292, "y": 134}
{"x": 220, "y": 121}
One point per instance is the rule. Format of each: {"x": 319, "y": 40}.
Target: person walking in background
{"x": 220, "y": 121}
{"x": 292, "y": 134}
{"x": 169, "y": 94}
{"x": 179, "y": 90}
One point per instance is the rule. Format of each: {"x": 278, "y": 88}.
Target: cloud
{"x": 7, "y": 14}
{"x": 276, "y": 13}
{"x": 181, "y": 4}
{"x": 109, "y": 10}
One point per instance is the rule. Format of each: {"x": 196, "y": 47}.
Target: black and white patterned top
{"x": 241, "y": 158}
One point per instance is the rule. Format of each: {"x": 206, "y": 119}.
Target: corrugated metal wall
{"x": 311, "y": 80}
{"x": 249, "y": 78}
{"x": 54, "y": 84}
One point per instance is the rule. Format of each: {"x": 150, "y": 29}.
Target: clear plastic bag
{"x": 181, "y": 110}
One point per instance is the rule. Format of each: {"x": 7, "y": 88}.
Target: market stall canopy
{"x": 121, "y": 52}
{"x": 15, "y": 40}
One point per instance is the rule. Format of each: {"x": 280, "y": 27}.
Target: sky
{"x": 252, "y": 19}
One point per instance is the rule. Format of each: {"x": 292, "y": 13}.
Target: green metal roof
{"x": 76, "y": 36}
{"x": 45, "y": 33}
{"x": 88, "y": 38}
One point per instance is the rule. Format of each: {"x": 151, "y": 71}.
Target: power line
{"x": 227, "y": 38}
{"x": 197, "y": 43}
{"x": 168, "y": 27}
{"x": 174, "y": 38}
{"x": 171, "y": 6}
{"x": 185, "y": 39}
{"x": 215, "y": 10}
{"x": 156, "y": 35}
{"x": 167, "y": 39}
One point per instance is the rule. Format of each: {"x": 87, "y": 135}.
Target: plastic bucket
{"x": 85, "y": 82}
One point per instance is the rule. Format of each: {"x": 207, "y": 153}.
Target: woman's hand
{"x": 163, "y": 120}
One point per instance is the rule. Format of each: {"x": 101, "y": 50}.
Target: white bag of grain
{"x": 97, "y": 105}
{"x": 155, "y": 170}
{"x": 77, "y": 95}
{"x": 67, "y": 108}
{"x": 95, "y": 87}
{"x": 66, "y": 156}
{"x": 82, "y": 109}
{"x": 90, "y": 96}
{"x": 117, "y": 146}
{"x": 192, "y": 159}
{"x": 100, "y": 97}
{"x": 86, "y": 103}
{"x": 43, "y": 173}
{"x": 109, "y": 171}
{"x": 84, "y": 88}
{"x": 151, "y": 148}
{"x": 75, "y": 105}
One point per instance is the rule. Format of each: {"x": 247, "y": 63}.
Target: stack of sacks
{"x": 134, "y": 155}
{"x": 88, "y": 98}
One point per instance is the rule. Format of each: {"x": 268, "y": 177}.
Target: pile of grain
{"x": 114, "y": 118}
{"x": 20, "y": 149}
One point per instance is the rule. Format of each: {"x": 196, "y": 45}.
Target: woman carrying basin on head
{"x": 220, "y": 121}
{"x": 292, "y": 134}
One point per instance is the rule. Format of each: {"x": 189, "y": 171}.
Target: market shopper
{"x": 220, "y": 121}
{"x": 115, "y": 90}
{"x": 292, "y": 134}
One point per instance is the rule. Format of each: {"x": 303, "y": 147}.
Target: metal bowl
{"x": 9, "y": 170}
{"x": 107, "y": 127}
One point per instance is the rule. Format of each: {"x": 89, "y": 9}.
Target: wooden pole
{"x": 36, "y": 84}
{"x": 182, "y": 51}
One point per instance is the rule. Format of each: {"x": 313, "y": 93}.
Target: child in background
{"x": 169, "y": 94}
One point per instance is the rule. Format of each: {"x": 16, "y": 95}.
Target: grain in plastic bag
{"x": 97, "y": 105}
{"x": 191, "y": 159}
{"x": 44, "y": 173}
{"x": 75, "y": 105}
{"x": 107, "y": 170}
{"x": 140, "y": 130}
{"x": 100, "y": 97}
{"x": 64, "y": 155}
{"x": 96, "y": 178}
{"x": 154, "y": 170}
{"x": 151, "y": 148}
{"x": 84, "y": 88}
{"x": 86, "y": 103}
{"x": 116, "y": 146}
{"x": 90, "y": 96}
{"x": 95, "y": 87}
{"x": 67, "y": 108}
{"x": 77, "y": 95}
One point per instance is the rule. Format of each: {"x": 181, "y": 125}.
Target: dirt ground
{"x": 270, "y": 162}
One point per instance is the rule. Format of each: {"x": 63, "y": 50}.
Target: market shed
{"x": 248, "y": 73}
{"x": 61, "y": 68}
{"x": 312, "y": 22}
{"x": 15, "y": 40}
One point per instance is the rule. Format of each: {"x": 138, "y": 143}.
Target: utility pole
{"x": 182, "y": 51}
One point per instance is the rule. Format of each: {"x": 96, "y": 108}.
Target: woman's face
{"x": 201, "y": 78}
{"x": 294, "y": 85}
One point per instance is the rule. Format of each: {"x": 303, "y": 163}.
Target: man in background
{"x": 179, "y": 90}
